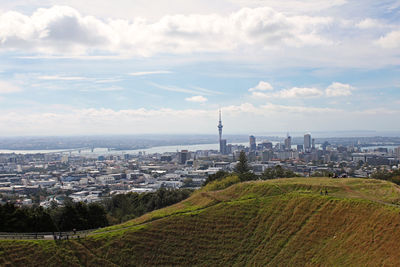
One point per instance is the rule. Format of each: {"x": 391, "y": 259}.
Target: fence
{"x": 46, "y": 235}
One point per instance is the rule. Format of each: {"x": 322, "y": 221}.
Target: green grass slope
{"x": 283, "y": 222}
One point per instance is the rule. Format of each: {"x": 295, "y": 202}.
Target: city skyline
{"x": 199, "y": 132}
{"x": 71, "y": 68}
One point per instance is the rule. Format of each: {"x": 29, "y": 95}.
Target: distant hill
{"x": 288, "y": 222}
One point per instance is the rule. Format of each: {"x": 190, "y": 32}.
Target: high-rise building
{"x": 221, "y": 147}
{"x": 252, "y": 142}
{"x": 325, "y": 145}
{"x": 307, "y": 142}
{"x": 266, "y": 145}
{"x": 397, "y": 151}
{"x": 267, "y": 155}
{"x": 183, "y": 156}
{"x": 288, "y": 142}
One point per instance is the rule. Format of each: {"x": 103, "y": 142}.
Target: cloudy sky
{"x": 71, "y": 67}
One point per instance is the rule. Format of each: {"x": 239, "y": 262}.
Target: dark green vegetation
{"x": 124, "y": 207}
{"x": 277, "y": 172}
{"x": 284, "y": 222}
{"x": 392, "y": 176}
{"x": 243, "y": 172}
{"x": 242, "y": 166}
{"x": 14, "y": 219}
{"x": 81, "y": 216}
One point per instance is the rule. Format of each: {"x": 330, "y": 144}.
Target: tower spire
{"x": 221, "y": 143}
{"x": 220, "y": 126}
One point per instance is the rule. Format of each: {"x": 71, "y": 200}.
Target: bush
{"x": 392, "y": 176}
{"x": 124, "y": 207}
{"x": 217, "y": 176}
{"x": 277, "y": 172}
{"x": 222, "y": 184}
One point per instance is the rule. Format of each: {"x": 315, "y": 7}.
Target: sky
{"x": 72, "y": 67}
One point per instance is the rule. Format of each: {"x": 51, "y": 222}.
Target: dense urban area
{"x": 43, "y": 178}
{"x": 87, "y": 188}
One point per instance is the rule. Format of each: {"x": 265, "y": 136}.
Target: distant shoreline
{"x": 150, "y": 150}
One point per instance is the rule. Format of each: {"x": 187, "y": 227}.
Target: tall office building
{"x": 288, "y": 142}
{"x": 267, "y": 155}
{"x": 252, "y": 141}
{"x": 266, "y": 145}
{"x": 307, "y": 142}
{"x": 183, "y": 156}
{"x": 397, "y": 151}
{"x": 222, "y": 147}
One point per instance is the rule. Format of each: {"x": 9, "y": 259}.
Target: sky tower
{"x": 220, "y": 127}
{"x": 222, "y": 142}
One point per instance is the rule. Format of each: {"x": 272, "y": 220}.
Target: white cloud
{"x": 63, "y": 30}
{"x": 391, "y": 40}
{"x": 293, "y": 6}
{"x": 194, "y": 90}
{"x": 295, "y": 92}
{"x": 262, "y": 86}
{"x": 77, "y": 78}
{"x": 338, "y": 89}
{"x": 369, "y": 23}
{"x": 109, "y": 80}
{"x": 263, "y": 118}
{"x": 334, "y": 90}
{"x": 62, "y": 78}
{"x": 8, "y": 88}
{"x": 260, "y": 95}
{"x": 299, "y": 92}
{"x": 197, "y": 99}
{"x": 142, "y": 73}
{"x": 378, "y": 111}
{"x": 206, "y": 91}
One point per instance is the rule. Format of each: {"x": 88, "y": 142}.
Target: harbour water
{"x": 151, "y": 150}
{"x": 106, "y": 151}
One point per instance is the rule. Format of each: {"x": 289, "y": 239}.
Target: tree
{"x": 277, "y": 172}
{"x": 123, "y": 207}
{"x": 97, "y": 216}
{"x": 242, "y": 166}
{"x": 392, "y": 176}
{"x": 216, "y": 176}
{"x": 323, "y": 173}
{"x": 243, "y": 169}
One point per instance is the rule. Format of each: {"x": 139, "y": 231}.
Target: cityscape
{"x": 42, "y": 178}
{"x": 199, "y": 133}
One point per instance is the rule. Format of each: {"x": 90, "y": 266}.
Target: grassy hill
{"x": 276, "y": 222}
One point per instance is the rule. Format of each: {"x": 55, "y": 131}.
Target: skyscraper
{"x": 397, "y": 151}
{"x": 288, "y": 142}
{"x": 307, "y": 142}
{"x": 223, "y": 147}
{"x": 252, "y": 141}
{"x": 183, "y": 156}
